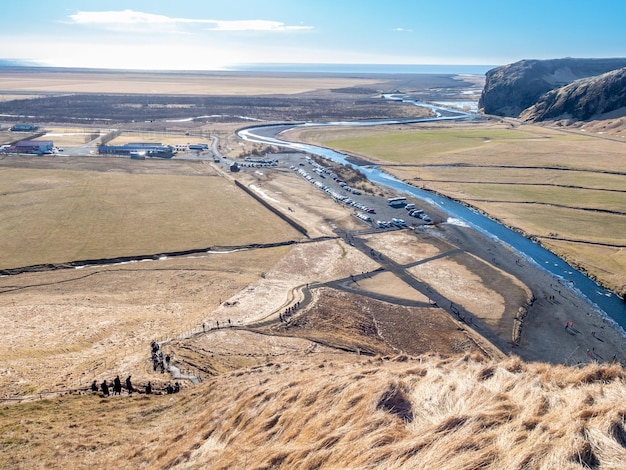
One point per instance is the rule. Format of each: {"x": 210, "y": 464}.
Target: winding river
{"x": 605, "y": 302}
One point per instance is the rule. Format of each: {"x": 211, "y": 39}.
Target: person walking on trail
{"x": 117, "y": 386}
{"x": 94, "y": 386}
{"x": 105, "y": 388}
{"x": 129, "y": 385}
{"x": 148, "y": 388}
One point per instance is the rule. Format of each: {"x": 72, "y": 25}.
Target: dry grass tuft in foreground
{"x": 428, "y": 412}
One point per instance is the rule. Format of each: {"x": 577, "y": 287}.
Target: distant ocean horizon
{"x": 438, "y": 69}
{"x": 368, "y": 68}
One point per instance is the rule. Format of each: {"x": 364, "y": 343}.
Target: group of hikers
{"x": 116, "y": 387}
{"x": 288, "y": 312}
{"x": 158, "y": 362}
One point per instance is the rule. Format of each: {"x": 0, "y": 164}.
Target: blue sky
{"x": 215, "y": 35}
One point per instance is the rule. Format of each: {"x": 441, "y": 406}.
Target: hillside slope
{"x": 583, "y": 99}
{"x": 511, "y": 88}
{"x": 393, "y": 413}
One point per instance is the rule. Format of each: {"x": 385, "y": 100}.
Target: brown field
{"x": 389, "y": 284}
{"x": 121, "y": 207}
{"x": 141, "y": 293}
{"x": 564, "y": 188}
{"x": 67, "y": 328}
{"x": 210, "y": 83}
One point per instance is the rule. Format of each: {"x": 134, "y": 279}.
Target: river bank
{"x": 562, "y": 295}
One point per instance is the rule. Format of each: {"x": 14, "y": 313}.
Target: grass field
{"x": 567, "y": 187}
{"x": 60, "y": 215}
{"x": 421, "y": 147}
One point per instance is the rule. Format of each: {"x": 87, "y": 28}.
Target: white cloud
{"x": 140, "y": 21}
{"x": 255, "y": 25}
{"x": 403, "y": 30}
{"x": 117, "y": 17}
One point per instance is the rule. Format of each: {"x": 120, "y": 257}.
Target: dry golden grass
{"x": 389, "y": 284}
{"x": 58, "y": 215}
{"x": 405, "y": 413}
{"x": 66, "y": 328}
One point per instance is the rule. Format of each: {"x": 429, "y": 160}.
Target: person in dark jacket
{"x": 105, "y": 388}
{"x": 129, "y": 385}
{"x": 117, "y": 386}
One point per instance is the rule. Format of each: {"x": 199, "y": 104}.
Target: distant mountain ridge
{"x": 537, "y": 90}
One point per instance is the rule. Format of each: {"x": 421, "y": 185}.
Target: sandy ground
{"x": 389, "y": 284}
{"x": 295, "y": 197}
{"x": 544, "y": 337}
{"x": 210, "y": 83}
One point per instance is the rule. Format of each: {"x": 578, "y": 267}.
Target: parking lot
{"x": 374, "y": 211}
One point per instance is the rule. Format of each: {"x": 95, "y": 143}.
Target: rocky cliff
{"x": 583, "y": 99}
{"x": 512, "y": 88}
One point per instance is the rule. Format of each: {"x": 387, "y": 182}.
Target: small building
{"x": 37, "y": 147}
{"x": 198, "y": 147}
{"x": 24, "y": 128}
{"x": 146, "y": 149}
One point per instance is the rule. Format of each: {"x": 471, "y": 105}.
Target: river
{"x": 604, "y": 301}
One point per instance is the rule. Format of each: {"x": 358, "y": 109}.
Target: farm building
{"x": 37, "y": 147}
{"x": 134, "y": 148}
{"x": 24, "y": 128}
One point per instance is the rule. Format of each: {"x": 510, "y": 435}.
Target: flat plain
{"x": 216, "y": 83}
{"x": 56, "y": 212}
{"x": 367, "y": 369}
